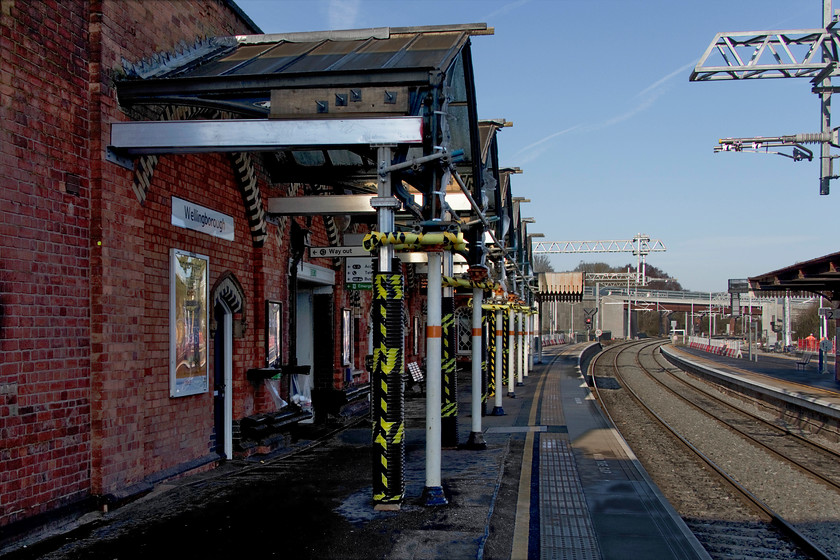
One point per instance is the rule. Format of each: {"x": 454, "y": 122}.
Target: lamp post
{"x": 524, "y": 333}
{"x": 538, "y": 322}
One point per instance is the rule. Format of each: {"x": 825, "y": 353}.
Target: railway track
{"x": 747, "y": 487}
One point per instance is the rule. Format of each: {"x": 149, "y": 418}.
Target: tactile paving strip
{"x": 566, "y": 531}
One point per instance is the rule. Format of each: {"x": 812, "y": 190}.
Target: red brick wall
{"x": 44, "y": 236}
{"x": 73, "y": 375}
{"x": 136, "y": 430}
{"x": 179, "y": 429}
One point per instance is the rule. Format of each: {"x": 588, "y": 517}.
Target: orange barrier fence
{"x": 811, "y": 344}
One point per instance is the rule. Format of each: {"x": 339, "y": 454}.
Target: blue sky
{"x": 613, "y": 139}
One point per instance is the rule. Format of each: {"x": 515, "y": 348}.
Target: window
{"x": 463, "y": 330}
{"x": 273, "y": 333}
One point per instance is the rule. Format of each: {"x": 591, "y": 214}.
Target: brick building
{"x": 89, "y": 408}
{"x": 146, "y": 301}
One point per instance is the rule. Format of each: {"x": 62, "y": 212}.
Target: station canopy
{"x": 378, "y": 72}
{"x": 819, "y": 276}
{"x": 560, "y": 286}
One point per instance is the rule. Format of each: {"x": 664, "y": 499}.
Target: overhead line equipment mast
{"x": 793, "y": 53}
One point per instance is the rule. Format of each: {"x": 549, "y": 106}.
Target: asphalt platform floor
{"x": 314, "y": 500}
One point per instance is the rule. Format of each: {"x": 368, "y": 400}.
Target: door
{"x": 222, "y": 380}
{"x": 301, "y": 385}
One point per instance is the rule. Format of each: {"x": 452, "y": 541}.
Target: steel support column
{"x": 449, "y": 381}
{"x": 433, "y": 492}
{"x": 388, "y": 339}
{"x": 511, "y": 355}
{"x": 476, "y": 439}
{"x": 497, "y": 408}
{"x": 520, "y": 349}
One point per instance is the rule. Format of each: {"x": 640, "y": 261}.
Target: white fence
{"x": 731, "y": 348}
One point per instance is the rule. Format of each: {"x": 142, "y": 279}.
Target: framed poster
{"x": 188, "y": 322}
{"x": 273, "y": 333}
{"x": 346, "y": 337}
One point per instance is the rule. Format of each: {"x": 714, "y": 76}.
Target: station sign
{"x": 738, "y": 286}
{"x": 188, "y": 215}
{"x": 338, "y": 252}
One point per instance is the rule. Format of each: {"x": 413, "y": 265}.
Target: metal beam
{"x": 343, "y": 204}
{"x": 794, "y": 53}
{"x": 250, "y": 135}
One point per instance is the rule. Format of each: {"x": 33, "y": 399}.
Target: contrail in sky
{"x": 505, "y": 9}
{"x": 645, "y": 98}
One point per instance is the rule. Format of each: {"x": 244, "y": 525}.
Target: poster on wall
{"x": 188, "y": 316}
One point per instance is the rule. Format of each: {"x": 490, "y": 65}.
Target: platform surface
{"x": 776, "y": 372}
{"x": 555, "y": 481}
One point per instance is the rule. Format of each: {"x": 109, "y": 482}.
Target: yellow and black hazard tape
{"x": 449, "y": 401}
{"x": 388, "y": 286}
{"x": 403, "y": 241}
{"x": 388, "y": 362}
{"x": 521, "y": 308}
{"x": 387, "y": 436}
{"x": 490, "y": 370}
{"x": 452, "y": 282}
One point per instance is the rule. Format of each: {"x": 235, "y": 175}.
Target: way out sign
{"x": 338, "y": 252}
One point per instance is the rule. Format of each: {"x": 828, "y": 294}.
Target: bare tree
{"x": 542, "y": 264}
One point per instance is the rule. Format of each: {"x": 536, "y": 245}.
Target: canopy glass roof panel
{"x": 373, "y": 50}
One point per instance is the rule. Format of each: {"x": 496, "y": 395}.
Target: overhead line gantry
{"x": 641, "y": 245}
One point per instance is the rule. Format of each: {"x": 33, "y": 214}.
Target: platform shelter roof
{"x": 819, "y": 276}
{"x": 389, "y": 71}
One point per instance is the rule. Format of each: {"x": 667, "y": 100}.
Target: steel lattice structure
{"x": 641, "y": 246}
{"x": 635, "y": 246}
{"x": 791, "y": 53}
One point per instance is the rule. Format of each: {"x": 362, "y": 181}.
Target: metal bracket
{"x": 385, "y": 202}
{"x": 415, "y": 162}
{"x": 115, "y": 157}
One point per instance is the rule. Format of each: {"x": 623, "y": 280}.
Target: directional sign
{"x": 340, "y": 252}
{"x": 359, "y": 273}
